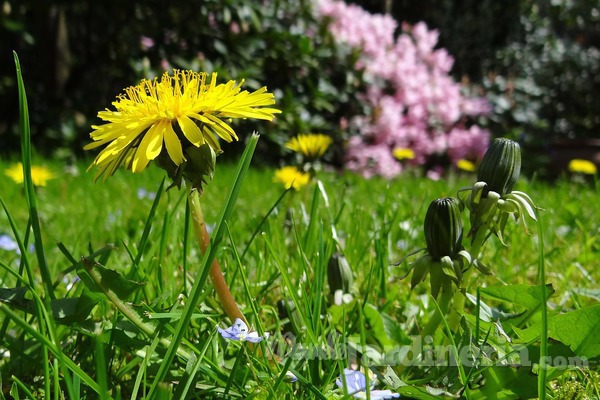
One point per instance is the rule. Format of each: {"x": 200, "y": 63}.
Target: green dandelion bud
{"x": 339, "y": 274}
{"x": 443, "y": 228}
{"x": 198, "y": 169}
{"x": 501, "y": 166}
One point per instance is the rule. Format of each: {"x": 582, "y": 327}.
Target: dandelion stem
{"x": 229, "y": 304}
{"x": 459, "y": 299}
{"x": 445, "y": 299}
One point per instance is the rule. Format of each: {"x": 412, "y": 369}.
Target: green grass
{"x": 287, "y": 260}
{"x": 113, "y": 300}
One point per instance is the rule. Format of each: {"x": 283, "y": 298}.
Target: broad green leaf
{"x": 65, "y": 311}
{"x": 377, "y": 325}
{"x": 504, "y": 382}
{"x": 577, "y": 329}
{"x": 423, "y": 393}
{"x": 109, "y": 279}
{"x": 394, "y": 331}
{"x": 487, "y": 313}
{"x": 15, "y": 297}
{"x": 527, "y": 296}
{"x": 76, "y": 309}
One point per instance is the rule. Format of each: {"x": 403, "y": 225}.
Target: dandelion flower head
{"x": 39, "y": 174}
{"x": 403, "y": 153}
{"x": 311, "y": 145}
{"x": 466, "y": 165}
{"x": 583, "y": 167}
{"x": 292, "y": 177}
{"x": 171, "y": 114}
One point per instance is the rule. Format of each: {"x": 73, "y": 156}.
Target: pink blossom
{"x": 146, "y": 43}
{"x": 371, "y": 160}
{"x": 416, "y": 104}
{"x": 165, "y": 65}
{"x": 468, "y": 143}
{"x": 234, "y": 27}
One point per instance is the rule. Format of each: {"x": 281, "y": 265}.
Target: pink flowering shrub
{"x": 415, "y": 104}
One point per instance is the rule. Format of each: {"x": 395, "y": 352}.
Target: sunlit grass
{"x": 76, "y": 211}
{"x": 374, "y": 222}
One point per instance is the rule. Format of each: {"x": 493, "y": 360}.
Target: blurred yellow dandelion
{"x": 582, "y": 167}
{"x": 403, "y": 153}
{"x": 311, "y": 145}
{"x": 39, "y": 174}
{"x": 466, "y": 165}
{"x": 173, "y": 113}
{"x": 291, "y": 177}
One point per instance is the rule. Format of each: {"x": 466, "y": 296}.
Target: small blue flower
{"x": 239, "y": 331}
{"x": 144, "y": 194}
{"x": 290, "y": 377}
{"x": 356, "y": 383}
{"x": 8, "y": 244}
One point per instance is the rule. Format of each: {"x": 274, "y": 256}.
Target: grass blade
{"x": 543, "y": 370}
{"x": 25, "y": 135}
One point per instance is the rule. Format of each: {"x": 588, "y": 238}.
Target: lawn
{"x": 275, "y": 252}
{"x": 131, "y": 287}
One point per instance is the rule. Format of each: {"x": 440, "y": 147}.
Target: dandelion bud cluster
{"x": 490, "y": 201}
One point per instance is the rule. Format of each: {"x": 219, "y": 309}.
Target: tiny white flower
{"x": 339, "y": 297}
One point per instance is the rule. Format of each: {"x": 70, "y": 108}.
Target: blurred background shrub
{"x": 536, "y": 61}
{"x": 78, "y": 55}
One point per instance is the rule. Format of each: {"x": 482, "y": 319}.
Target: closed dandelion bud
{"x": 501, "y": 166}
{"x": 443, "y": 228}
{"x": 198, "y": 168}
{"x": 201, "y": 163}
{"x": 339, "y": 274}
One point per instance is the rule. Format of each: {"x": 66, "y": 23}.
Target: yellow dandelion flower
{"x": 583, "y": 167}
{"x": 311, "y": 145}
{"x": 172, "y": 114}
{"x": 39, "y": 174}
{"x": 403, "y": 153}
{"x": 291, "y": 177}
{"x": 466, "y": 165}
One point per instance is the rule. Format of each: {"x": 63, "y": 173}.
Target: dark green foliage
{"x": 79, "y": 55}
{"x": 537, "y": 61}
{"x": 544, "y": 86}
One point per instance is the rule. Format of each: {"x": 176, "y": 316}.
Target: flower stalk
{"x": 227, "y": 300}
{"x": 447, "y": 294}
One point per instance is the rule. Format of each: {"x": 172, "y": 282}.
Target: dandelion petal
{"x": 190, "y": 130}
{"x": 149, "y": 149}
{"x": 172, "y": 142}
